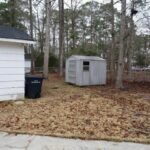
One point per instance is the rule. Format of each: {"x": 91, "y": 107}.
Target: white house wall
{"x": 12, "y": 74}
{"x": 11, "y": 78}
{"x": 11, "y": 64}
{"x": 15, "y": 57}
{"x": 12, "y": 71}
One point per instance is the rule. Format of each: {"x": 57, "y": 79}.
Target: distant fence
{"x": 51, "y": 69}
{"x": 143, "y": 76}
{"x": 137, "y": 76}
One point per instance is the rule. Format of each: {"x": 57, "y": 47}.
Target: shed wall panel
{"x": 66, "y": 71}
{"x": 95, "y": 75}
{"x": 12, "y": 74}
{"x": 72, "y": 71}
{"x": 95, "y": 72}
{"x": 102, "y": 73}
{"x": 79, "y": 68}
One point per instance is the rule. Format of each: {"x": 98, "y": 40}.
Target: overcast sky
{"x": 140, "y": 23}
{"x": 100, "y": 1}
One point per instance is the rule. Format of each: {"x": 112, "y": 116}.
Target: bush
{"x": 88, "y": 50}
{"x": 53, "y": 60}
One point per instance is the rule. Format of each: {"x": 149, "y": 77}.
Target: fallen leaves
{"x": 88, "y": 113}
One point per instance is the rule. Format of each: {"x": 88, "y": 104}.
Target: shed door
{"x": 95, "y": 72}
{"x": 86, "y": 73}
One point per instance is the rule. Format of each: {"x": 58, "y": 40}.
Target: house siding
{"x": 12, "y": 72}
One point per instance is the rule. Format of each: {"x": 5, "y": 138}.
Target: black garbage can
{"x": 33, "y": 86}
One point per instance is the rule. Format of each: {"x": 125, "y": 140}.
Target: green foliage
{"x": 53, "y": 60}
{"x": 141, "y": 60}
{"x": 13, "y": 14}
{"x": 141, "y": 54}
{"x": 85, "y": 49}
{"x": 4, "y": 13}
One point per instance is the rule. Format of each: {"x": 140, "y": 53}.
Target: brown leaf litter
{"x": 97, "y": 112}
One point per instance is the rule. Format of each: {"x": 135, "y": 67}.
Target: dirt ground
{"x": 96, "y": 112}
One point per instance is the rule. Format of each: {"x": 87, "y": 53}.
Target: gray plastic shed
{"x": 85, "y": 70}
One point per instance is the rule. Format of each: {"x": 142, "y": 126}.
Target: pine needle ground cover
{"x": 97, "y": 112}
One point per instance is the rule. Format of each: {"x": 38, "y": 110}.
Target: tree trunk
{"x": 54, "y": 38}
{"x": 73, "y": 25}
{"x": 40, "y": 34}
{"x": 31, "y": 34}
{"x": 67, "y": 33}
{"x": 119, "y": 80}
{"x": 91, "y": 21}
{"x": 131, "y": 44}
{"x": 47, "y": 40}
{"x": 13, "y": 13}
{"x": 112, "y": 53}
{"x": 61, "y": 36}
{"x": 67, "y": 42}
{"x": 131, "y": 48}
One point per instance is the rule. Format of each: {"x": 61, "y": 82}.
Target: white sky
{"x": 84, "y": 1}
{"x": 140, "y": 23}
{"x": 100, "y": 1}
{"x": 118, "y": 6}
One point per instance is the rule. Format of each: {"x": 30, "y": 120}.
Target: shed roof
{"x": 11, "y": 34}
{"x": 79, "y": 57}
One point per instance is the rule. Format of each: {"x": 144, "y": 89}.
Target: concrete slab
{"x": 32, "y": 142}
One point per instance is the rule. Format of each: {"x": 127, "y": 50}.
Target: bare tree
{"x": 119, "y": 79}
{"x": 40, "y": 27}
{"x": 31, "y": 34}
{"x": 61, "y": 36}
{"x": 47, "y": 40}
{"x": 54, "y": 37}
{"x": 73, "y": 6}
{"x": 112, "y": 53}
{"x": 131, "y": 41}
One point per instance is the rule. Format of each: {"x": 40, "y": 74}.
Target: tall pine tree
{"x": 13, "y": 13}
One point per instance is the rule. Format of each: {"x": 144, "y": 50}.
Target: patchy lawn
{"x": 97, "y": 112}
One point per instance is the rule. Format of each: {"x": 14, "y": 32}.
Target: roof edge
{"x": 17, "y": 41}
{"x": 83, "y": 57}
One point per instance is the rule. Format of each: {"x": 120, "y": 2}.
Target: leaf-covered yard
{"x": 99, "y": 112}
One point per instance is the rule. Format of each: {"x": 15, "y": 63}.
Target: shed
{"x": 27, "y": 63}
{"x": 12, "y": 62}
{"x": 85, "y": 70}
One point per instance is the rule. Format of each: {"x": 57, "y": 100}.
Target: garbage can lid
{"x": 34, "y": 76}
